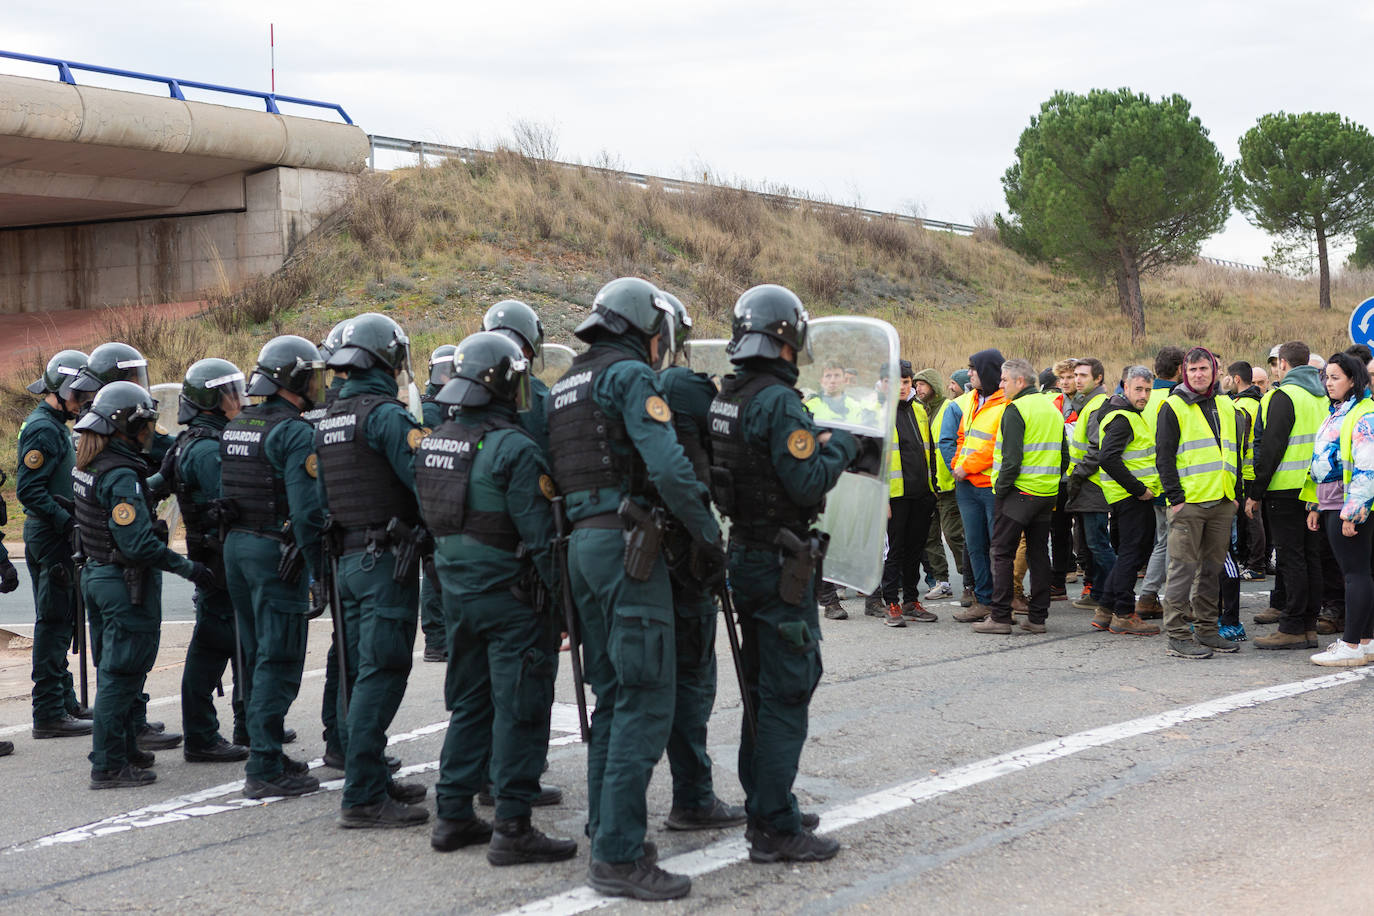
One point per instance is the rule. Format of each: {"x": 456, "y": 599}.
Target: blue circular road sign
{"x": 1362, "y": 323}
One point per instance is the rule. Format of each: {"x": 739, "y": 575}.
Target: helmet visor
{"x": 665, "y": 329}
{"x": 229, "y": 386}
{"x": 313, "y": 390}
{"x": 132, "y": 370}
{"x": 68, "y": 374}
{"x": 441, "y": 370}
{"x": 520, "y": 387}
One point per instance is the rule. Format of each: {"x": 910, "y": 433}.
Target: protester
{"x": 911, "y": 502}
{"x": 1168, "y": 374}
{"x": 972, "y": 470}
{"x": 945, "y": 526}
{"x": 1085, "y": 500}
{"x": 949, "y": 422}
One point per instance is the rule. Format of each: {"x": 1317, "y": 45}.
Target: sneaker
{"x": 1233, "y": 631}
{"x": 874, "y": 607}
{"x": 1019, "y": 606}
{"x": 1268, "y": 615}
{"x": 1131, "y": 626}
{"x": 126, "y": 777}
{"x": 835, "y": 612}
{"x": 993, "y": 626}
{"x": 966, "y": 600}
{"x": 972, "y": 614}
{"x": 1147, "y": 607}
{"x": 1102, "y": 620}
{"x": 449, "y": 834}
{"x": 286, "y": 785}
{"x": 1030, "y": 626}
{"x": 385, "y": 813}
{"x": 1251, "y": 575}
{"x": 915, "y": 611}
{"x": 1216, "y": 642}
{"x": 1340, "y": 654}
{"x": 1085, "y": 600}
{"x": 514, "y": 841}
{"x": 941, "y": 590}
{"x": 802, "y": 846}
{"x": 1280, "y": 640}
{"x": 708, "y": 817}
{"x": 894, "y": 617}
{"x": 1187, "y": 648}
{"x": 640, "y": 880}
{"x": 1368, "y": 652}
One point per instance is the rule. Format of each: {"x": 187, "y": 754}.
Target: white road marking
{"x": 885, "y": 801}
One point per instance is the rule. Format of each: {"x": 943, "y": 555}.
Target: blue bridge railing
{"x": 174, "y": 86}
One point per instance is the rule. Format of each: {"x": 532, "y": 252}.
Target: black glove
{"x": 1075, "y": 485}
{"x": 708, "y": 564}
{"x": 870, "y": 458}
{"x": 202, "y": 575}
{"x": 9, "y": 577}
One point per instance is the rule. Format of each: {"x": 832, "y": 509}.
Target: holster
{"x": 290, "y": 560}
{"x": 643, "y": 538}
{"x": 134, "y": 581}
{"x": 408, "y": 545}
{"x": 801, "y": 560}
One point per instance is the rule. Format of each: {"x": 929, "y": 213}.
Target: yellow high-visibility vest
{"x": 1042, "y": 446}
{"x": 1206, "y": 468}
{"x": 1139, "y": 456}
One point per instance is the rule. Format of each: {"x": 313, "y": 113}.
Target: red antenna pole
{"x": 272, "y": 40}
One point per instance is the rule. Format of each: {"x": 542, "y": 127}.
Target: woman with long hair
{"x": 1342, "y": 486}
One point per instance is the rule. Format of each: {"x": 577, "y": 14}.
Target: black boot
{"x": 285, "y": 786}
{"x": 6, "y": 748}
{"x": 150, "y": 739}
{"x": 141, "y": 758}
{"x": 407, "y": 793}
{"x": 708, "y": 817}
{"x": 449, "y": 834}
{"x": 514, "y": 841}
{"x": 642, "y": 880}
{"x": 219, "y": 752}
{"x": 81, "y": 712}
{"x": 127, "y": 777}
{"x": 548, "y": 795}
{"x": 63, "y": 726}
{"x": 385, "y": 813}
{"x": 803, "y": 846}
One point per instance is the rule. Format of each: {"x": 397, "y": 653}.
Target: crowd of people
{"x": 1180, "y": 478}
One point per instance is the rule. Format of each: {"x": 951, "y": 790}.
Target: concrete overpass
{"x": 111, "y": 197}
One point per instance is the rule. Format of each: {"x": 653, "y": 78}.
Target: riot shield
{"x": 858, "y": 401}
{"x": 557, "y": 359}
{"x": 709, "y": 357}
{"x": 168, "y": 394}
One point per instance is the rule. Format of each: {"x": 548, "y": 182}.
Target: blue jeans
{"x": 1099, "y": 543}
{"x": 975, "y": 509}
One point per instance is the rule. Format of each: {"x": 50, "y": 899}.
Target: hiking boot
{"x": 435, "y": 655}
{"x": 1216, "y": 642}
{"x": 1340, "y": 654}
{"x": 126, "y": 777}
{"x": 641, "y": 880}
{"x": 708, "y": 817}
{"x": 142, "y": 759}
{"x": 1328, "y": 627}
{"x": 151, "y": 740}
{"x": 1268, "y": 615}
{"x": 1085, "y": 599}
{"x": 286, "y": 785}
{"x": 407, "y": 793}
{"x": 992, "y": 625}
{"x": 833, "y": 611}
{"x": 219, "y": 752}
{"x": 449, "y": 834}
{"x": 893, "y": 617}
{"x": 1019, "y": 607}
{"x": 915, "y": 611}
{"x": 1147, "y": 607}
{"x": 515, "y": 842}
{"x": 383, "y": 814}
{"x": 548, "y": 795}
{"x": 874, "y": 607}
{"x": 809, "y": 821}
{"x": 938, "y": 591}
{"x": 1102, "y": 620}
{"x": 1030, "y": 626}
{"x": 1186, "y": 648}
{"x": 972, "y": 614}
{"x": 64, "y": 726}
{"x": 1059, "y": 593}
{"x": 802, "y": 846}
{"x": 1280, "y": 640}
{"x": 1131, "y": 626}
{"x": 966, "y": 600}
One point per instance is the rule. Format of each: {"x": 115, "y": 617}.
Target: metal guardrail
{"x": 424, "y": 148}
{"x": 174, "y": 86}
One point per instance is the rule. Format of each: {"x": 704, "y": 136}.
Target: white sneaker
{"x": 942, "y": 590}
{"x": 1340, "y": 654}
{"x": 1368, "y": 652}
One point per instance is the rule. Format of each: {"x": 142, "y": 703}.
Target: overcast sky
{"x": 893, "y": 105}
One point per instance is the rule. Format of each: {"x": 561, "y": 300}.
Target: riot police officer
{"x": 695, "y": 805}
{"x": 614, "y": 457}
{"x": 771, "y": 468}
{"x": 520, "y": 323}
{"x": 126, "y": 553}
{"x": 431, "y": 607}
{"x": 484, "y": 489}
{"x": 268, "y": 474}
{"x": 212, "y": 395}
{"x": 366, "y": 444}
{"x": 44, "y": 488}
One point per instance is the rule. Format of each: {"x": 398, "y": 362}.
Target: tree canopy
{"x": 1307, "y": 176}
{"x": 1115, "y": 184}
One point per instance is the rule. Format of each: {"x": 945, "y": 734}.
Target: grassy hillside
{"x": 434, "y": 247}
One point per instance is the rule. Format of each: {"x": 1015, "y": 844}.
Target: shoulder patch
{"x": 312, "y": 465}
{"x": 546, "y": 486}
{"x": 414, "y": 437}
{"x": 123, "y": 514}
{"x": 33, "y": 459}
{"x": 657, "y": 409}
{"x": 801, "y": 444}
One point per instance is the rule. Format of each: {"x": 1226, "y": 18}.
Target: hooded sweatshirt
{"x": 1166, "y": 436}
{"x": 937, "y": 384}
{"x": 988, "y": 365}
{"x": 1279, "y": 426}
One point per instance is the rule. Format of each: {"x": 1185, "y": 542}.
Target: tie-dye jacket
{"x": 1326, "y": 460}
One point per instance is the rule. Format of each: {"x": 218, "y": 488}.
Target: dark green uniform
{"x": 272, "y": 613}
{"x": 536, "y": 419}
{"x": 689, "y": 394}
{"x": 129, "y": 633}
{"x": 502, "y": 649}
{"x": 46, "y": 457}
{"x": 431, "y": 606}
{"x": 627, "y": 625}
{"x": 380, "y": 615}
{"x": 211, "y": 650}
{"x": 781, "y": 474}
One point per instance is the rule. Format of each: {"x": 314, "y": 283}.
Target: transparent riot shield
{"x": 850, "y": 385}
{"x": 168, "y": 394}
{"x": 709, "y": 357}
{"x": 557, "y": 359}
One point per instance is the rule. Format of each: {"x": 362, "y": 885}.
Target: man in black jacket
{"x": 910, "y": 506}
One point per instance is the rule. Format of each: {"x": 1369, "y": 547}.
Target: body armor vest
{"x": 246, "y": 476}
{"x": 743, "y": 481}
{"x": 202, "y": 531}
{"x": 443, "y": 464}
{"x": 364, "y": 492}
{"x": 580, "y": 432}
{"x": 92, "y": 517}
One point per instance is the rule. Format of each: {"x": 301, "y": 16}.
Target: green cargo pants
{"x": 210, "y": 651}
{"x": 129, "y": 639}
{"x": 53, "y": 579}
{"x": 695, "y": 638}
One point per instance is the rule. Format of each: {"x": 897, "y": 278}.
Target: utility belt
{"x": 135, "y": 576}
{"x": 801, "y": 557}
{"x": 411, "y": 545}
{"x": 643, "y": 529}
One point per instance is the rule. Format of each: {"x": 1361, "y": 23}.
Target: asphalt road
{"x": 1069, "y": 772}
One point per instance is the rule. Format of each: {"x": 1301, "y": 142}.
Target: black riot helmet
{"x": 62, "y": 370}
{"x": 766, "y": 317}
{"x": 488, "y": 367}
{"x": 120, "y": 407}
{"x": 331, "y": 341}
{"x": 292, "y": 363}
{"x": 628, "y": 305}
{"x": 206, "y": 383}
{"x": 518, "y": 321}
{"x": 372, "y": 340}
{"x": 441, "y": 365}
{"x": 112, "y": 362}
{"x": 682, "y": 326}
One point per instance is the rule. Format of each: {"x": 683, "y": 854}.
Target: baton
{"x": 728, "y": 608}
{"x": 560, "y": 524}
